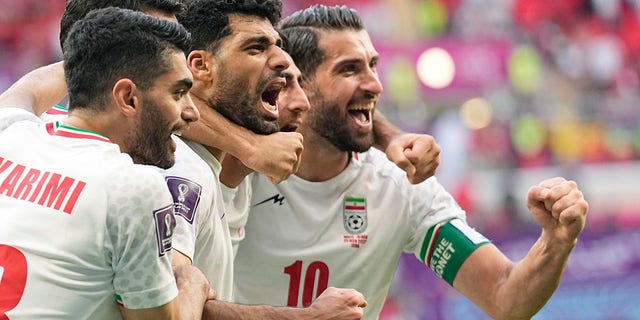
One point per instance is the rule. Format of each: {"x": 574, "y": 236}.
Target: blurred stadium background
{"x": 515, "y": 91}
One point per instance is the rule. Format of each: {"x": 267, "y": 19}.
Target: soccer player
{"x": 85, "y": 232}
{"x": 276, "y": 155}
{"x": 348, "y": 214}
{"x": 238, "y": 68}
{"x": 201, "y": 234}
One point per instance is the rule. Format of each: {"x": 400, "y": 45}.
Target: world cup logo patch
{"x": 186, "y": 196}
{"x": 165, "y": 223}
{"x": 355, "y": 215}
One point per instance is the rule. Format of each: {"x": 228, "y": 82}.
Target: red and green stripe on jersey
{"x": 57, "y": 110}
{"x": 73, "y": 132}
{"x": 447, "y": 245}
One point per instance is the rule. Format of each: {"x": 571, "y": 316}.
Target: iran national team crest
{"x": 355, "y": 215}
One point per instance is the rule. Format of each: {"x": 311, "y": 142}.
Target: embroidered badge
{"x": 165, "y": 222}
{"x": 186, "y": 196}
{"x": 355, "y": 215}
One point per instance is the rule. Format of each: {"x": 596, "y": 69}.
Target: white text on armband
{"x": 447, "y": 245}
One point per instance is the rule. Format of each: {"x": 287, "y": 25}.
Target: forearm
{"x": 533, "y": 280}
{"x": 233, "y": 171}
{"x": 215, "y": 309}
{"x": 275, "y": 155}
{"x": 214, "y": 130}
{"x": 383, "y": 131}
{"x": 37, "y": 90}
{"x": 193, "y": 290}
{"x": 188, "y": 308}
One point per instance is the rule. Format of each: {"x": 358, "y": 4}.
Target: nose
{"x": 189, "y": 111}
{"x": 371, "y": 82}
{"x": 300, "y": 102}
{"x": 278, "y": 60}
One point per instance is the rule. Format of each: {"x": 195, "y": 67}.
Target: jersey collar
{"x": 58, "y": 129}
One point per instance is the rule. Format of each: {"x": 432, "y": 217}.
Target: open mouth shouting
{"x": 361, "y": 114}
{"x": 269, "y": 97}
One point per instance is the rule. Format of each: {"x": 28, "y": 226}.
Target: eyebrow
{"x": 263, "y": 40}
{"x": 374, "y": 60}
{"x": 186, "y": 82}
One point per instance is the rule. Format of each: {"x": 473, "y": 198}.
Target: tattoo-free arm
{"x": 332, "y": 304}
{"x": 417, "y": 154}
{"x": 38, "y": 90}
{"x": 507, "y": 290}
{"x": 276, "y": 155}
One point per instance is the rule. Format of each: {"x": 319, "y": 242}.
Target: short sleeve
{"x": 431, "y": 204}
{"x": 9, "y": 116}
{"x": 140, "y": 226}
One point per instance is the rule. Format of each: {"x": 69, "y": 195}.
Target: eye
{"x": 255, "y": 49}
{"x": 373, "y": 65}
{"x": 349, "y": 69}
{"x": 181, "y": 93}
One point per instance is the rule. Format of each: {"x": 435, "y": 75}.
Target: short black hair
{"x": 301, "y": 29}
{"x": 208, "y": 20}
{"x": 114, "y": 43}
{"x": 75, "y": 10}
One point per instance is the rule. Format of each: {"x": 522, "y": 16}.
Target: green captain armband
{"x": 447, "y": 245}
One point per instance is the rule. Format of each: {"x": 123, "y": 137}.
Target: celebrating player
{"x": 85, "y": 232}
{"x": 348, "y": 214}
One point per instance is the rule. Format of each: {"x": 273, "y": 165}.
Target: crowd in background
{"x": 561, "y": 79}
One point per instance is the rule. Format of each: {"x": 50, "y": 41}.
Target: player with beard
{"x": 73, "y": 204}
{"x": 293, "y": 106}
{"x": 238, "y": 69}
{"x": 276, "y": 155}
{"x": 201, "y": 235}
{"x": 349, "y": 213}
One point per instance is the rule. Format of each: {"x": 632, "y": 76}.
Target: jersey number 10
{"x": 316, "y": 276}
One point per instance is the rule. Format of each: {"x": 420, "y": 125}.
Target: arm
{"x": 417, "y": 154}
{"x": 38, "y": 90}
{"x": 193, "y": 289}
{"x": 507, "y": 290}
{"x": 332, "y": 304}
{"x": 167, "y": 311}
{"x": 276, "y": 155}
{"x": 233, "y": 171}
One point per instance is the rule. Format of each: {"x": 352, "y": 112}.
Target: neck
{"x": 321, "y": 160}
{"x": 200, "y": 127}
{"x": 109, "y": 125}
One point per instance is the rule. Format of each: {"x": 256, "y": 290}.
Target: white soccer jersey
{"x": 202, "y": 233}
{"x": 81, "y": 225}
{"x": 237, "y": 202}
{"x": 348, "y": 232}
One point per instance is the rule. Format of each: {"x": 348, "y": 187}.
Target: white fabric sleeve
{"x": 9, "y": 116}
{"x": 431, "y": 204}
{"x": 140, "y": 223}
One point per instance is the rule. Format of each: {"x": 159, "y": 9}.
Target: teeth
{"x": 268, "y": 106}
{"x": 365, "y": 107}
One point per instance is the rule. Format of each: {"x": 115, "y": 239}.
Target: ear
{"x": 201, "y": 64}
{"x": 125, "y": 94}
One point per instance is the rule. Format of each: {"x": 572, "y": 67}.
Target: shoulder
{"x": 9, "y": 116}
{"x": 134, "y": 182}
{"x": 188, "y": 164}
{"x": 388, "y": 173}
{"x": 376, "y": 161}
